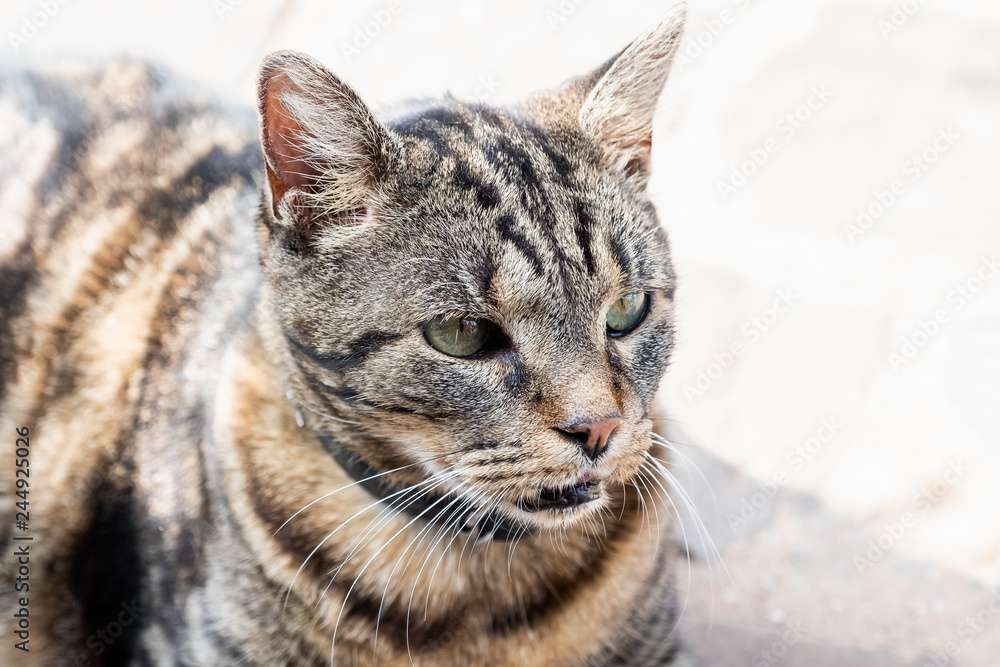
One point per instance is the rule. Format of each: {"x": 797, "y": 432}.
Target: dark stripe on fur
{"x": 506, "y": 226}
{"x": 107, "y": 572}
{"x": 358, "y": 350}
{"x": 584, "y": 227}
{"x": 17, "y": 279}
{"x": 621, "y": 255}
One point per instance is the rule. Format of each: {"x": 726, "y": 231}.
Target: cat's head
{"x": 486, "y": 293}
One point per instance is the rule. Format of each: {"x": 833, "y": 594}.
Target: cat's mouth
{"x": 583, "y": 491}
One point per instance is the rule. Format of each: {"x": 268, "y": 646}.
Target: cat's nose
{"x": 591, "y": 436}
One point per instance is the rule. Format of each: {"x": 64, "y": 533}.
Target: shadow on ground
{"x": 789, "y": 588}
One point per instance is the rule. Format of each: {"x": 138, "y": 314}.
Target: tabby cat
{"x": 394, "y": 410}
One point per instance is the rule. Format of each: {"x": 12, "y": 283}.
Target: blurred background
{"x": 828, "y": 173}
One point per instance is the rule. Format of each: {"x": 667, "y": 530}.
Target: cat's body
{"x": 192, "y": 379}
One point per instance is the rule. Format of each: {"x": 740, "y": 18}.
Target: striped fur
{"x": 175, "y": 340}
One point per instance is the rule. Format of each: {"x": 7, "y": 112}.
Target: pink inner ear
{"x": 286, "y": 144}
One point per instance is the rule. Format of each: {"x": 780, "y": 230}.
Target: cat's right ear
{"x": 325, "y": 151}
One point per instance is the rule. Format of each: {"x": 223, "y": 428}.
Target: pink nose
{"x": 591, "y": 436}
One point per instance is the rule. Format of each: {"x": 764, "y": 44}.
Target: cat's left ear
{"x": 326, "y": 152}
{"x": 618, "y": 111}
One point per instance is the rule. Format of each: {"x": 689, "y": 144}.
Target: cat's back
{"x": 109, "y": 183}
{"x": 79, "y": 145}
{"x": 124, "y": 243}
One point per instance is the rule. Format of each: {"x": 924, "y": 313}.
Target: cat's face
{"x": 486, "y": 294}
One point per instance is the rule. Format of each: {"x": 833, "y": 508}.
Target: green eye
{"x": 626, "y": 313}
{"x": 459, "y": 336}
